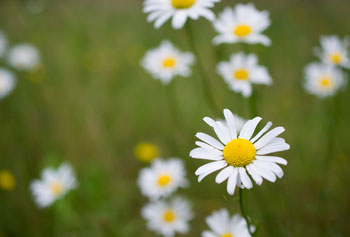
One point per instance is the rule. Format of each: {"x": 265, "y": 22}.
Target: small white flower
{"x": 3, "y": 43}
{"x": 235, "y": 154}
{"x": 179, "y": 10}
{"x": 168, "y": 217}
{"x": 7, "y": 82}
{"x": 323, "y": 80}
{"x": 166, "y": 62}
{"x": 334, "y": 51}
{"x": 244, "y": 23}
{"x": 162, "y": 178}
{"x": 53, "y": 185}
{"x": 23, "y": 57}
{"x": 243, "y": 70}
{"x": 222, "y": 225}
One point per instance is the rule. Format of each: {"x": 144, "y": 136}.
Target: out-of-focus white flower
{"x": 7, "y": 82}
{"x": 3, "y": 44}
{"x": 53, "y": 185}
{"x": 166, "y": 62}
{"x": 323, "y": 80}
{"x": 168, "y": 217}
{"x": 243, "y": 70}
{"x": 23, "y": 57}
{"x": 162, "y": 178}
{"x": 179, "y": 10}
{"x": 244, "y": 23}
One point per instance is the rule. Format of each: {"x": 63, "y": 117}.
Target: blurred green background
{"x": 90, "y": 103}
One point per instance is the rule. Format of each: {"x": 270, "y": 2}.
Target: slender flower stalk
{"x": 243, "y": 212}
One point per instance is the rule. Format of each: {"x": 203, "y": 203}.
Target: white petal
{"x": 266, "y": 174}
{"x": 224, "y": 174}
{"x": 211, "y": 167}
{"x": 275, "y": 159}
{"x": 230, "y": 120}
{"x": 270, "y": 166}
{"x": 249, "y": 128}
{"x": 273, "y": 148}
{"x": 210, "y": 140}
{"x": 232, "y": 180}
{"x": 245, "y": 178}
{"x": 267, "y": 126}
{"x": 200, "y": 153}
{"x": 268, "y": 137}
{"x": 257, "y": 178}
{"x": 209, "y": 148}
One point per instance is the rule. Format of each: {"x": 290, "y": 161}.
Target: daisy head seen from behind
{"x": 23, "y": 57}
{"x": 244, "y": 23}
{"x": 179, "y": 10}
{"x": 237, "y": 154}
{"x": 221, "y": 224}
{"x": 53, "y": 185}
{"x": 162, "y": 178}
{"x": 7, "y": 82}
{"x": 166, "y": 62}
{"x": 168, "y": 217}
{"x": 323, "y": 80}
{"x": 242, "y": 71}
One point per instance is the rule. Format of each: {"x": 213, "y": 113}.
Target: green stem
{"x": 172, "y": 104}
{"x": 241, "y": 205}
{"x": 252, "y": 104}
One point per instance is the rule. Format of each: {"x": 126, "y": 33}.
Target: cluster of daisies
{"x": 326, "y": 77}
{"x": 20, "y": 57}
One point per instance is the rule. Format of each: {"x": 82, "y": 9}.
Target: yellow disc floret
{"x": 335, "y": 58}
{"x": 146, "y": 152}
{"x": 182, "y": 4}
{"x": 169, "y": 216}
{"x": 239, "y": 152}
{"x": 7, "y": 181}
{"x": 227, "y": 235}
{"x": 241, "y": 74}
{"x": 56, "y": 188}
{"x": 169, "y": 62}
{"x": 242, "y": 30}
{"x": 326, "y": 82}
{"x": 164, "y": 180}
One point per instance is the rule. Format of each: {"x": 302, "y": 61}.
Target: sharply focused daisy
{"x": 53, "y": 185}
{"x": 7, "y": 82}
{"x": 146, "y": 152}
{"x": 23, "y": 57}
{"x": 168, "y": 217}
{"x": 179, "y": 10}
{"x": 7, "y": 180}
{"x": 235, "y": 154}
{"x": 222, "y": 225}
{"x": 162, "y": 178}
{"x": 323, "y": 80}
{"x": 3, "y": 43}
{"x": 244, "y": 23}
{"x": 166, "y": 62}
{"x": 334, "y": 51}
{"x": 243, "y": 70}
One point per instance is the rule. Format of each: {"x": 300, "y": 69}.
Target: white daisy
{"x": 222, "y": 225}
{"x": 244, "y": 23}
{"x": 53, "y": 185}
{"x": 166, "y": 62}
{"x": 168, "y": 217}
{"x": 23, "y": 57}
{"x": 162, "y": 178}
{"x": 334, "y": 51}
{"x": 323, "y": 80}
{"x": 3, "y": 43}
{"x": 179, "y": 10}
{"x": 243, "y": 70}
{"x": 237, "y": 153}
{"x": 7, "y": 82}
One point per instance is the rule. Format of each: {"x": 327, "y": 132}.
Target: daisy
{"x": 222, "y": 225}
{"x": 168, "y": 217}
{"x": 323, "y": 80}
{"x": 146, "y": 152}
{"x": 7, "y": 82}
{"x": 53, "y": 185}
{"x": 334, "y": 51}
{"x": 244, "y": 23}
{"x": 179, "y": 10}
{"x": 236, "y": 153}
{"x": 23, "y": 57}
{"x": 162, "y": 178}
{"x": 7, "y": 180}
{"x": 166, "y": 62}
{"x": 3, "y": 43}
{"x": 243, "y": 70}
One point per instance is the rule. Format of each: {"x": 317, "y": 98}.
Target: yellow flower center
{"x": 146, "y": 152}
{"x": 182, "y": 4}
{"x": 326, "y": 82}
{"x": 57, "y": 188}
{"x": 169, "y": 216}
{"x": 242, "y": 30}
{"x": 227, "y": 235}
{"x": 335, "y": 58}
{"x": 241, "y": 74}
{"x": 169, "y": 62}
{"x": 239, "y": 152}
{"x": 7, "y": 181}
{"x": 164, "y": 180}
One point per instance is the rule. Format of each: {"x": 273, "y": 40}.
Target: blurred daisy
{"x": 244, "y": 23}
{"x": 179, "y": 10}
{"x": 23, "y": 57}
{"x": 237, "y": 153}
{"x": 54, "y": 184}
{"x": 3, "y": 43}
{"x": 243, "y": 70}
{"x": 168, "y": 217}
{"x": 7, "y": 82}
{"x": 222, "y": 225}
{"x": 146, "y": 152}
{"x": 323, "y": 80}
{"x": 334, "y": 51}
{"x": 166, "y": 62}
{"x": 7, "y": 180}
{"x": 162, "y": 178}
